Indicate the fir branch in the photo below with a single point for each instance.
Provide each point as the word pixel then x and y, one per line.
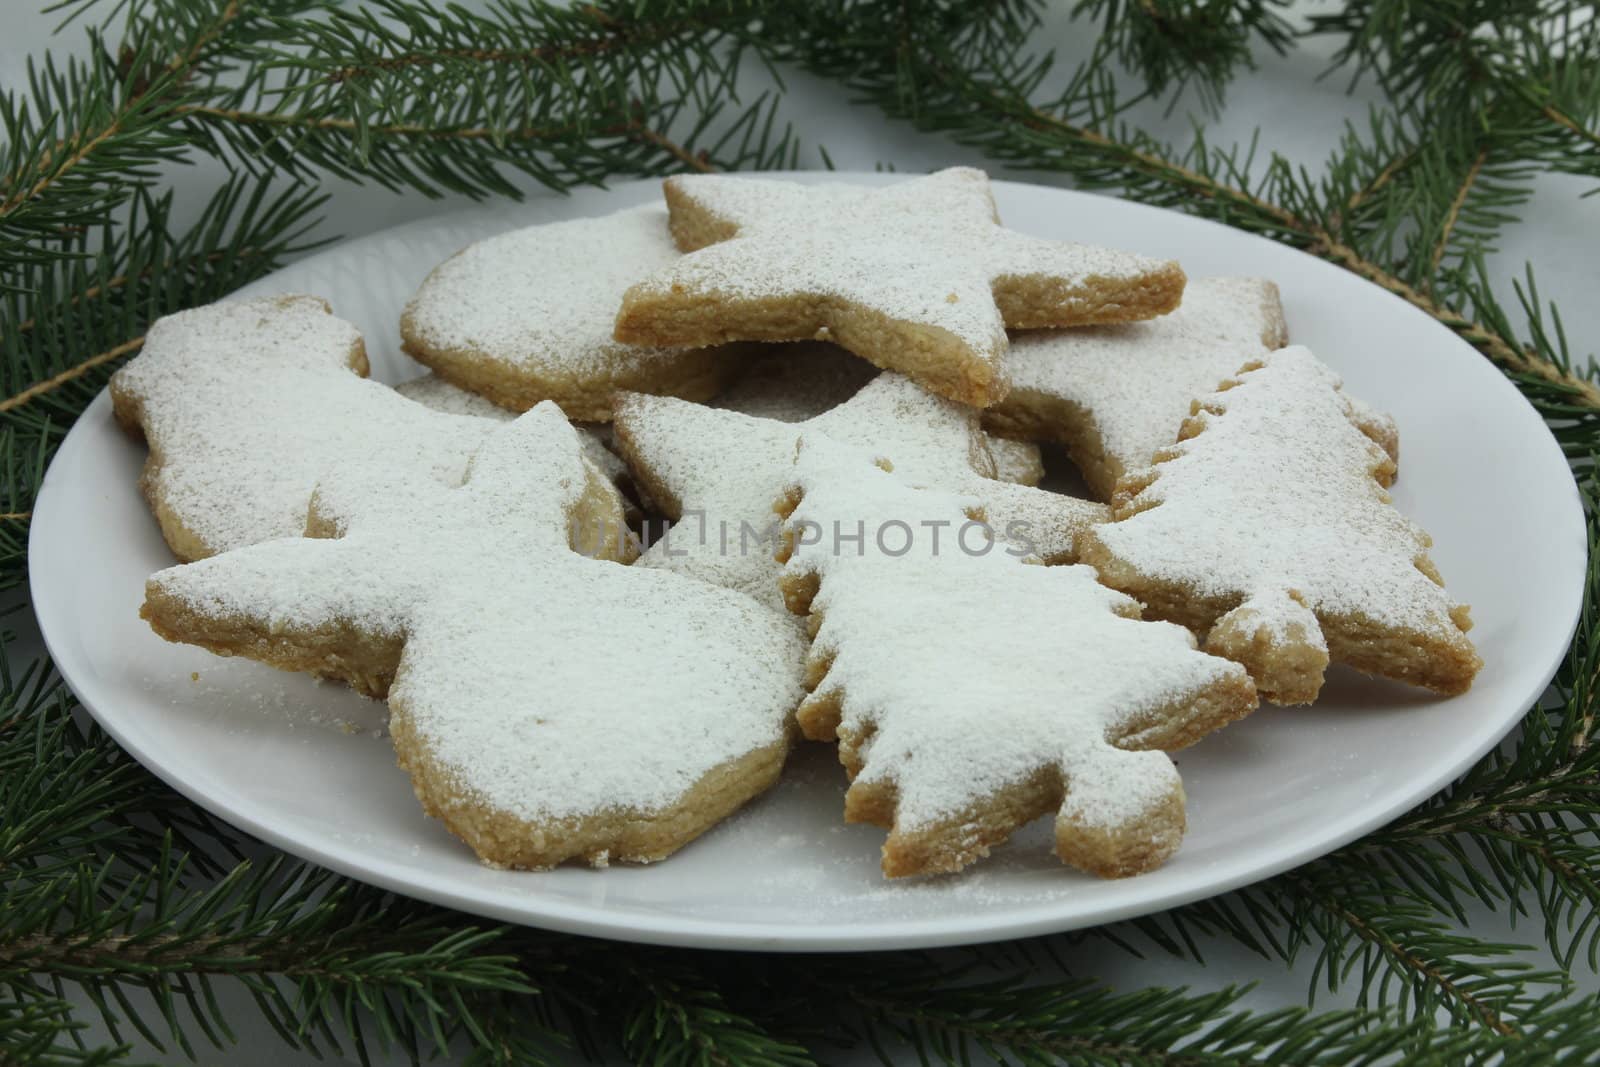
pixel 46 1033
pixel 72 373
pixel 318 955
pixel 675 1019
pixel 951 77
pixel 412 95
pixel 69 795
pixel 74 318
pixel 1079 1022
pixel 1447 229
pixel 559 95
pixel 1465 56
pixel 1173 44
pixel 87 136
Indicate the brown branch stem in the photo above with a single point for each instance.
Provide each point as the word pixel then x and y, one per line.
pixel 121 281
pixel 1030 1036
pixel 1403 956
pixel 291 120
pixel 88 141
pixel 631 129
pixel 1571 125
pixel 1322 242
pixel 1453 215
pixel 619 35
pixel 138 955
pixel 697 161
pixel 1378 183
pixel 77 370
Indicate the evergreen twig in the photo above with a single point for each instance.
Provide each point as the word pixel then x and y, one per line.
pixel 106 887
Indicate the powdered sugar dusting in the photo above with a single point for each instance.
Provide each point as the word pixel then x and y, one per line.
pixel 505 630
pixel 927 250
pixel 248 403
pixel 733 467
pixel 973 672
pixel 1276 494
pixel 1135 382
pixel 434 392
pixel 917 432
pixel 796 382
pixel 543 298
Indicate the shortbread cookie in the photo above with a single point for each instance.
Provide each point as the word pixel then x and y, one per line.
pixel 1113 395
pixel 716 474
pixel 540 700
pixel 527 316
pixel 246 404
pixel 433 391
pixel 1266 530
pixel 917 277
pixel 795 382
pixel 971 692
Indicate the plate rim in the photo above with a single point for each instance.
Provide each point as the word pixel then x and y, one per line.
pixel 970 926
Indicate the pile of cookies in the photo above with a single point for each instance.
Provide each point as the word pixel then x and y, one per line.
pixel 686 484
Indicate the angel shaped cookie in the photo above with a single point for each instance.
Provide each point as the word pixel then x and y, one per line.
pixel 1266 530
pixel 917 277
pixel 717 472
pixel 548 706
pixel 246 404
pixel 971 692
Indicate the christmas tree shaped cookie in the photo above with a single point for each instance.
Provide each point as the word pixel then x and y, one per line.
pixel 971 692
pixel 246 404
pixel 547 706
pixel 717 473
pixel 1267 530
pixel 917 277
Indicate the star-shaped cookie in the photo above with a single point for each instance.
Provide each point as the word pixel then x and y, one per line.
pixel 716 473
pixel 1266 530
pixel 539 699
pixel 918 277
pixel 971 692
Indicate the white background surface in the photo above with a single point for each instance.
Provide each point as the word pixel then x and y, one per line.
pixel 1299 116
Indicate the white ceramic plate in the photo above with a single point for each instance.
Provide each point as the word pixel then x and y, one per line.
pixel 306 765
